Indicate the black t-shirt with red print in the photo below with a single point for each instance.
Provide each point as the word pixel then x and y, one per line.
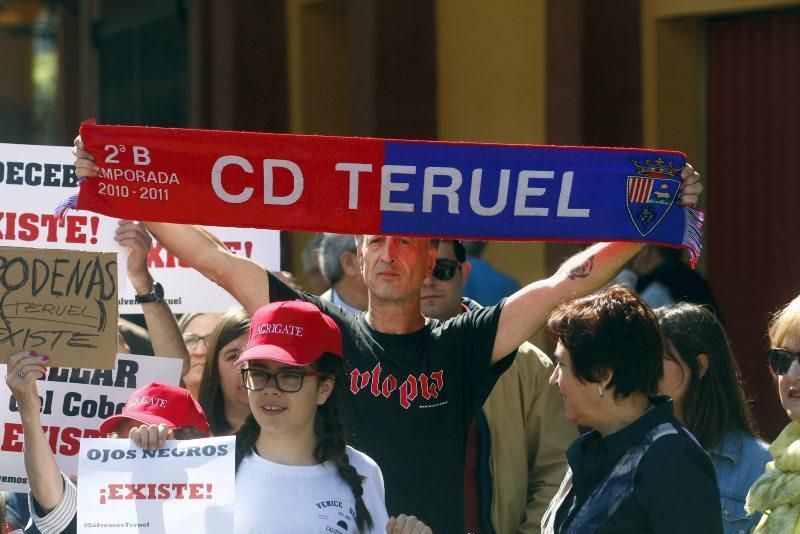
pixel 412 398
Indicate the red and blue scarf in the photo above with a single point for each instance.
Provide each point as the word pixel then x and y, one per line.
pixel 377 186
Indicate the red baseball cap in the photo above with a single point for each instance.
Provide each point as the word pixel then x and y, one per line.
pixel 159 403
pixel 293 332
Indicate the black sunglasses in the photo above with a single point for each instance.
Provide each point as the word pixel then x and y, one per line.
pixel 780 360
pixel 445 269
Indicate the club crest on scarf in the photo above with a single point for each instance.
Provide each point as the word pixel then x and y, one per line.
pixel 652 193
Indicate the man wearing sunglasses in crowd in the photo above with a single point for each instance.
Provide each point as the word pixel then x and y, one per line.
pixel 515 448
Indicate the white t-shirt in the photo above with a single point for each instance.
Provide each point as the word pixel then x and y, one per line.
pixel 284 499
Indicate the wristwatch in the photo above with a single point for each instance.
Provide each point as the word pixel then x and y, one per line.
pixel 156 295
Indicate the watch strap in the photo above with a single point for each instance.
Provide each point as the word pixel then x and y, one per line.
pixel 156 295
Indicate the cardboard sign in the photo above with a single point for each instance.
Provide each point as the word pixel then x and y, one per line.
pixel 74 403
pixel 184 485
pixel 62 303
pixel 35 179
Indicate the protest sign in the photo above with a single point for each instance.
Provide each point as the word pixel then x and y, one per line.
pixel 185 484
pixel 62 303
pixel 34 179
pixel 74 403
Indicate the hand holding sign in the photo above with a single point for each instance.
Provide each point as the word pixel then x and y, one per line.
pixel 134 236
pixel 59 301
pixel 151 437
pixel 23 370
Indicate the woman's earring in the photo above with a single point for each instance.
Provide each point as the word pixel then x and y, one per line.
pixel 600 390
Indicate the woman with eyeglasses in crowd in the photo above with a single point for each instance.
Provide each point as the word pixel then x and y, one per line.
pixel 294 471
pixel 196 329
pixel 702 377
pixel 637 470
pixel 776 493
pixel 222 394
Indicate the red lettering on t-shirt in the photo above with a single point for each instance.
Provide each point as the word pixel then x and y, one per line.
pixel 426 386
pixel 376 381
pixel 388 386
pixel 408 391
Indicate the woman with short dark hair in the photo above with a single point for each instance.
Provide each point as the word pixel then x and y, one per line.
pixel 702 377
pixel 638 469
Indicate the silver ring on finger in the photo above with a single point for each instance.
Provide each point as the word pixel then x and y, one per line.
pixel 21 374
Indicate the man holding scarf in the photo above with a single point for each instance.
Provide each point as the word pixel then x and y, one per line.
pixel 416 384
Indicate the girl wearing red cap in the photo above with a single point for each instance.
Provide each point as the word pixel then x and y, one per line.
pixel 294 471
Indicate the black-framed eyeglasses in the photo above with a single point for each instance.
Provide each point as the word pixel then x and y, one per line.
pixel 445 269
pixel 780 360
pixel 288 381
pixel 192 340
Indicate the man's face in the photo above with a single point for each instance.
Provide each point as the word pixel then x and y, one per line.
pixel 441 299
pixel 395 267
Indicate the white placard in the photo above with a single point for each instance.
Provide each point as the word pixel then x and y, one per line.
pixel 184 486
pixel 74 403
pixel 35 179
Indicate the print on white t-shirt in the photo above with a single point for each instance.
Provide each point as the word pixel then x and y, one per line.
pixel 276 498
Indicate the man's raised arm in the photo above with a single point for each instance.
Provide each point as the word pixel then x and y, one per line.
pixel 526 311
pixel 243 278
pixel 240 276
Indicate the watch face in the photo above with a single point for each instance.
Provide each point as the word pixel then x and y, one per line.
pixel 158 290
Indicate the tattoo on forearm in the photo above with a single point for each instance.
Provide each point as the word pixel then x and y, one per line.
pixel 583 270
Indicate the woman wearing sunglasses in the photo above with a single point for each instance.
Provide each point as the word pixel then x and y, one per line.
pixel 294 472
pixel 702 377
pixel 777 492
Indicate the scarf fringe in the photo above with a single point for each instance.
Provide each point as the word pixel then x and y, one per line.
pixel 68 204
pixel 693 233
pixel 65 206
